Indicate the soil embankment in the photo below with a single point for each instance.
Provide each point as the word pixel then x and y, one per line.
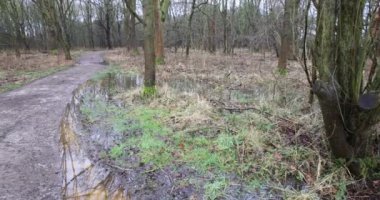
pixel 29 131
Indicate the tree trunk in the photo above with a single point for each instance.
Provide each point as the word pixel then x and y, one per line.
pixel 212 31
pixel 108 10
pixel 130 24
pixel 287 35
pixel 231 39
pixel 90 31
pixel 225 27
pixel 132 32
pixel 51 37
pixel 62 27
pixel 340 54
pixel 347 135
pixel 108 32
pixel 189 31
pixel 159 41
pixel 294 50
pixel 17 49
pixel 127 26
pixel 149 9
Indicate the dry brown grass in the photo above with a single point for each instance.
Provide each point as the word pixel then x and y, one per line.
pixel 31 61
pixel 243 70
pixel 15 72
pixel 283 134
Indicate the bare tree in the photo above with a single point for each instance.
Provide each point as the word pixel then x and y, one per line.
pixel 287 38
pixel 349 107
pixel 149 9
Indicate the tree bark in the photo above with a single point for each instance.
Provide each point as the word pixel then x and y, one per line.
pixel 107 5
pixel 189 27
pixel 287 33
pixel 159 41
pixel 149 7
pixel 339 55
pixel 212 30
pixel 88 17
pixel 62 27
pixel 226 31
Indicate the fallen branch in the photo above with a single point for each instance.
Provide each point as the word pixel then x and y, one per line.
pixel 241 108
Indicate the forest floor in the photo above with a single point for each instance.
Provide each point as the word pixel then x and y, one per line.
pixel 231 120
pixel 16 72
pixel 29 137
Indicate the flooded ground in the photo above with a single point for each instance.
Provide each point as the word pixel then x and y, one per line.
pixel 85 176
pixel 90 174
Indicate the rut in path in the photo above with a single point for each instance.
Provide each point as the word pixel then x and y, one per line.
pixel 29 132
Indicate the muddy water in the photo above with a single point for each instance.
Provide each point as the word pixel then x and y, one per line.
pixel 84 175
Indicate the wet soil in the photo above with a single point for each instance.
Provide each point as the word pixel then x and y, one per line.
pixel 90 174
pixel 29 132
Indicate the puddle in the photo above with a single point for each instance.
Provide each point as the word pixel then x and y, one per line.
pixel 88 176
pixel 85 177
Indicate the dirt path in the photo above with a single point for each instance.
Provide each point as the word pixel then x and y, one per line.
pixel 29 137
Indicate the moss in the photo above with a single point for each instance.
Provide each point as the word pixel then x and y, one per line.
pixel 117 151
pixel 160 60
pixel 149 92
pixel 111 70
pixel 282 71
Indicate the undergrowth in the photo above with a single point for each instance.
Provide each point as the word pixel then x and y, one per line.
pixel 234 123
pixel 176 128
pixel 16 72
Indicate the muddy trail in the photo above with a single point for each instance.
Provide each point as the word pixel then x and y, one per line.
pixel 29 132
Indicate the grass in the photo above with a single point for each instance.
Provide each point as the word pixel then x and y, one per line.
pixel 215 189
pixel 273 140
pixel 24 77
pixel 16 72
pixel 162 129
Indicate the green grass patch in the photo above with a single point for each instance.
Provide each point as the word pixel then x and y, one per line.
pixel 170 132
pixel 149 92
pixel 111 70
pixel 216 189
pixel 160 60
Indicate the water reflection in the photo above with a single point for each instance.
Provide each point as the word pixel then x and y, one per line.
pixel 84 176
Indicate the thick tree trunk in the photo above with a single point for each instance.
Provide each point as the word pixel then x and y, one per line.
pixel 287 33
pixel 51 37
pixel 66 50
pixel 62 27
pixel 332 118
pixel 149 7
pixel 347 133
pixel 159 40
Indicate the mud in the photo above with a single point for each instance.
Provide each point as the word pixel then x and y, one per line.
pixel 29 132
pixel 90 175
